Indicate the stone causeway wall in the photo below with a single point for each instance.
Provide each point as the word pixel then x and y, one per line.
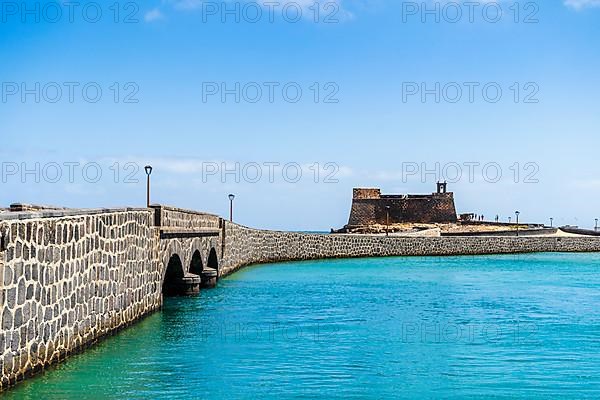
pixel 71 277
pixel 178 218
pixel 69 280
pixel 245 246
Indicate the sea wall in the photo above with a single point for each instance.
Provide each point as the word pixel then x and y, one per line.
pixel 69 278
pixel 244 246
pixel 513 232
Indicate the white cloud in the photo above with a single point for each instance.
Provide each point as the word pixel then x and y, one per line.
pixel 589 184
pixel 153 15
pixel 177 166
pixel 186 4
pixel 581 4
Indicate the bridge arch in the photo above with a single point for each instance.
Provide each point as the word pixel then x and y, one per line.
pixel 196 265
pixel 213 260
pixel 173 277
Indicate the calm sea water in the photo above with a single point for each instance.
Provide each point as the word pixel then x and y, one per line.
pixel 497 326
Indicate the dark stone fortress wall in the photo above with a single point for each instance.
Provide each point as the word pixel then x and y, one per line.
pixel 369 207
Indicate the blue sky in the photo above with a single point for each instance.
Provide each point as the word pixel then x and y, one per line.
pixel 365 127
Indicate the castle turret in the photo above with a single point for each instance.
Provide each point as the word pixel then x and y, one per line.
pixel 442 187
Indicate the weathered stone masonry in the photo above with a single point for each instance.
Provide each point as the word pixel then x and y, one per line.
pixel 246 246
pixel 68 278
pixel 370 207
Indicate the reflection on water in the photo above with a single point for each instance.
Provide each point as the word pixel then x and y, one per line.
pixel 502 326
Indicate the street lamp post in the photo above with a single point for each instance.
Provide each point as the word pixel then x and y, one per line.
pixel 551 222
pixel 596 227
pixel 231 197
pixel 148 169
pixel 517 214
pixel 387 220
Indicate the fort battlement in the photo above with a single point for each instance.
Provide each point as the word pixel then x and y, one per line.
pixel 370 207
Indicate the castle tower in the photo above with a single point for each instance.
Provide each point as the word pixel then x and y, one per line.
pixel 442 187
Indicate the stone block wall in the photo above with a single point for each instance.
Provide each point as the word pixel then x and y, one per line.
pixel 69 279
pixel 172 217
pixel 362 193
pixel 369 207
pixel 244 246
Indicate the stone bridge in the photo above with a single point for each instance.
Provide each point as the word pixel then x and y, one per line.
pixel 70 277
pixel 190 247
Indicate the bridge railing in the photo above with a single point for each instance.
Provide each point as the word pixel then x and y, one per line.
pixel 167 217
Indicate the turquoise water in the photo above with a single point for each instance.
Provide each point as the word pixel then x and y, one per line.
pixel 457 327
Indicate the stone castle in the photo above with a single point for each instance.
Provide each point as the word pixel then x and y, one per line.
pixel 370 207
